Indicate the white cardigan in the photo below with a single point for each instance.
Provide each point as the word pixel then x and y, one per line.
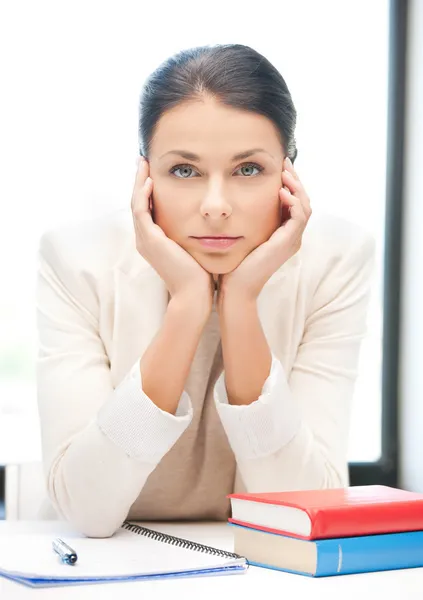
pixel 99 305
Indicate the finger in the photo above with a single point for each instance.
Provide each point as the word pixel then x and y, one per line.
pixel 285 208
pixel 140 180
pixel 143 171
pixel 290 167
pixel 140 158
pixel 286 240
pixel 140 202
pixel 297 188
pixel 294 185
pixel 295 208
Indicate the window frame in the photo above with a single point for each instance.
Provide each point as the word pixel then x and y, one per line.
pixel 385 470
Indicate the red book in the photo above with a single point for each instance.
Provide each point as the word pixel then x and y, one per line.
pixel 330 513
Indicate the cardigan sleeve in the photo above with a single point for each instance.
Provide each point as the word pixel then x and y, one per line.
pixel 99 443
pixel 295 435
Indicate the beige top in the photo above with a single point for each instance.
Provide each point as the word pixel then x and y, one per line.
pixel 110 453
pixel 198 472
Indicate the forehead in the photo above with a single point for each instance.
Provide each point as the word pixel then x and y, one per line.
pixel 205 126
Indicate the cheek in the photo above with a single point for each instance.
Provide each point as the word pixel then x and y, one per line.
pixel 266 217
pixel 170 212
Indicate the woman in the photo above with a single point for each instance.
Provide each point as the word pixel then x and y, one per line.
pixel 206 341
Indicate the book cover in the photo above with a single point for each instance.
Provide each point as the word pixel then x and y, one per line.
pixel 329 557
pixel 330 513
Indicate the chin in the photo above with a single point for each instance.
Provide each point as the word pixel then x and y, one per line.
pixel 219 264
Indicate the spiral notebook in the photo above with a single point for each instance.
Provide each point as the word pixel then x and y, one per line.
pixel 133 553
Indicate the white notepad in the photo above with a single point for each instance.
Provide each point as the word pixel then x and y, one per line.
pixel 132 553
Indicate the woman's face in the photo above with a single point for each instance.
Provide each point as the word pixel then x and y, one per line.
pixel 216 193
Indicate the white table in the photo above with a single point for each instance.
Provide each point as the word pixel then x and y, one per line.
pixel 255 584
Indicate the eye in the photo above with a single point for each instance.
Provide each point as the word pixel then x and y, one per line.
pixel 184 169
pixel 187 169
pixel 251 166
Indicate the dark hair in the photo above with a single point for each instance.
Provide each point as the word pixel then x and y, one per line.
pixel 234 74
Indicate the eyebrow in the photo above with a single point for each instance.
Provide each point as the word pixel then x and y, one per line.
pixel 191 156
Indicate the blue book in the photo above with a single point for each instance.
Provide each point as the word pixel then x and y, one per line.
pixel 335 556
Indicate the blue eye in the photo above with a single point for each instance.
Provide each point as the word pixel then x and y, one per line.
pixel 252 165
pixel 182 167
pixel 187 169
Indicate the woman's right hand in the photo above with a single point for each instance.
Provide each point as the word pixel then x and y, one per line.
pixel 184 277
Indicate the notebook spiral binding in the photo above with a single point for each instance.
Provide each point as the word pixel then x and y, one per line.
pixel 177 541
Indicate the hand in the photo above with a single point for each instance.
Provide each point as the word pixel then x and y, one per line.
pixel 182 274
pixel 258 266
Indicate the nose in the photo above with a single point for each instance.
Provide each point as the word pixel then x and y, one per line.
pixel 215 206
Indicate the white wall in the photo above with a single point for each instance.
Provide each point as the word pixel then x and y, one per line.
pixel 68 122
pixel 411 362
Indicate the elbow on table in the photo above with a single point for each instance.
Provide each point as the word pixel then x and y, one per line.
pixel 92 519
pixel 98 530
pixel 90 523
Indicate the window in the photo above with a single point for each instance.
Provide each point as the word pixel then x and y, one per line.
pixel 69 141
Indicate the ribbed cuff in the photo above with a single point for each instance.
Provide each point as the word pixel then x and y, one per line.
pixel 264 426
pixel 134 423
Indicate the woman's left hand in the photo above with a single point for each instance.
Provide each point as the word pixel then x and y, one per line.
pixel 257 267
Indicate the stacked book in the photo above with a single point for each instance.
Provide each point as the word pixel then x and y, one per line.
pixel 331 531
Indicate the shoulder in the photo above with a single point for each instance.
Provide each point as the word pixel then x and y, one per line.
pixel 337 260
pixel 330 241
pixel 92 246
pixel 78 259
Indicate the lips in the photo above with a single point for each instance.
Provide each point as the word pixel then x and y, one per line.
pixel 218 243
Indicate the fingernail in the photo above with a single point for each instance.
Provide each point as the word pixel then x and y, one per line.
pixel 288 161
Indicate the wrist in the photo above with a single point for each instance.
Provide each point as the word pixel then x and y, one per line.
pixel 232 298
pixel 193 306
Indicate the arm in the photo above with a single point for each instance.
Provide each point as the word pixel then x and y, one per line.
pixel 295 435
pixel 246 354
pixel 99 444
pixel 166 363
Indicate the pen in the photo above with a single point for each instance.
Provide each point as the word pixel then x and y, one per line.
pixel 66 553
